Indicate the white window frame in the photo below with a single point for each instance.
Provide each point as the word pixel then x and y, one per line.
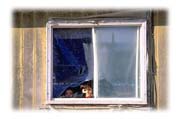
pixel 141 99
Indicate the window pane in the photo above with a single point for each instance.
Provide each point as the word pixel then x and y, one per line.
pixel 116 54
pixel 72 61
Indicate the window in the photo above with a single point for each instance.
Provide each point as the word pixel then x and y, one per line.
pixel 96 62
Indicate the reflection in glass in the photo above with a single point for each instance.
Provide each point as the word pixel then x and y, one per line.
pixel 116 55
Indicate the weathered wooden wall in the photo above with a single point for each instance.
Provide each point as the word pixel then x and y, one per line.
pixel 29 52
pixel 161 56
pixel 29 62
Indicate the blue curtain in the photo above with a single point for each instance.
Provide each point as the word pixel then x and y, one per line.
pixel 70 62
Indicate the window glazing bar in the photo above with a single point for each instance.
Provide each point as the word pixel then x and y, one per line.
pixel 95 79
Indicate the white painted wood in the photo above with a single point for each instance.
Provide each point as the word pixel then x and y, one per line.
pixel 95 64
pixel 97 101
pixel 137 63
pixel 143 60
pixel 48 54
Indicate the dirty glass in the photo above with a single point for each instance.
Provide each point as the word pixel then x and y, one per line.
pixel 116 55
pixel 72 61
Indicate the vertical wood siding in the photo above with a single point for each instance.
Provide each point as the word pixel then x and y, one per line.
pixel 30 68
pixel 161 37
pixel 29 55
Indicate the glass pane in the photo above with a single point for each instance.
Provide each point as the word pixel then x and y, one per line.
pixel 72 62
pixel 116 54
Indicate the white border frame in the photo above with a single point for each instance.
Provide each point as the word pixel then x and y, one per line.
pixel 142 99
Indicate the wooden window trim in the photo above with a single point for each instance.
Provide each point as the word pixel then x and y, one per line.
pixel 142 99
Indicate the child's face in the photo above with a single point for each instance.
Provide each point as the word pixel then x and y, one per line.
pixel 69 94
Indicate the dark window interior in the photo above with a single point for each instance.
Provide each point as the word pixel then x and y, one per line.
pixel 72 61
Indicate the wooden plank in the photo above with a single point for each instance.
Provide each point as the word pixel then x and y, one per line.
pixel 43 63
pixel 38 89
pixel 34 87
pixel 16 67
pixel 28 59
pixel 160 35
pixel 21 64
pixel 28 66
pixel 40 63
pixel 163 93
pixel 161 53
pixel 21 73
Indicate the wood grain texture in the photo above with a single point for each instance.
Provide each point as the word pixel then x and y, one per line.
pixel 16 67
pixel 29 64
pixel 25 63
pixel 28 67
pixel 21 72
pixel 43 66
pixel 161 37
pixel 161 58
pixel 34 87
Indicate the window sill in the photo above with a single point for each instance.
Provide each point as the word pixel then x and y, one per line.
pixel 97 107
pixel 90 101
